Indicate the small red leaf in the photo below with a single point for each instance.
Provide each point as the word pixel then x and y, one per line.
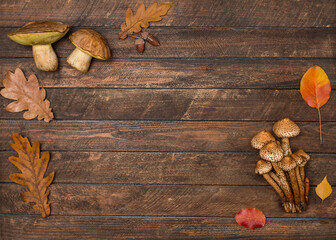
pixel 250 218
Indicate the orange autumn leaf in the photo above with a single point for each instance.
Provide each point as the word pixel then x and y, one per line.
pixel 315 89
pixel 323 190
pixel 33 168
pixel 250 218
pixel 142 18
pixel 28 96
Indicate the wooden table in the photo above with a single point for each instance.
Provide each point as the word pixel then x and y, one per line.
pixel 156 146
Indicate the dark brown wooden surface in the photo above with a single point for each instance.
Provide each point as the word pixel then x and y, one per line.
pixel 179 104
pixel 228 73
pixel 205 43
pixel 156 146
pixel 164 168
pixel 111 227
pixel 205 13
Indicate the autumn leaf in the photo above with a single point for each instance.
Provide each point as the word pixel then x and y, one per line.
pixel 33 168
pixel 315 90
pixel 28 96
pixel 142 18
pixel 323 190
pixel 250 218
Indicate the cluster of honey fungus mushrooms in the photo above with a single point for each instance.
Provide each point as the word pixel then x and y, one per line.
pixel 288 178
pixel 40 35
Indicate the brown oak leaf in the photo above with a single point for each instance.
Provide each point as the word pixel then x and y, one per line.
pixel 33 168
pixel 28 96
pixel 142 18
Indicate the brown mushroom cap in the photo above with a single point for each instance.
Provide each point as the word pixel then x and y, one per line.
pixel 262 138
pixel 286 128
pixel 263 167
pixel 91 42
pixel 298 159
pixel 287 163
pixel 271 152
pixel 39 33
pixel 305 157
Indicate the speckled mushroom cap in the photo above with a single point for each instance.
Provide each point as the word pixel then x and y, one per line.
pixel 286 128
pixel 262 138
pixel 39 33
pixel 287 163
pixel 91 42
pixel 271 152
pixel 263 167
pixel 305 157
pixel 298 159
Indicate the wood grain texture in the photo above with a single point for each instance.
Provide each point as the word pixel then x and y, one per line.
pixel 154 200
pixel 194 13
pixel 205 43
pixel 65 227
pixel 165 168
pixel 182 104
pixel 158 135
pixel 181 73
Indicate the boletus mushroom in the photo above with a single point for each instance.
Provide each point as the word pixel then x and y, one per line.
pixel 273 152
pixel 89 44
pixel 264 168
pixel 284 129
pixel 288 164
pixel 40 35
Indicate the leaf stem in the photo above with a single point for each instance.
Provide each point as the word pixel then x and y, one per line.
pixel 319 113
pixel 134 36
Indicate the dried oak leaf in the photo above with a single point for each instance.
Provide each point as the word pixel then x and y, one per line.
pixel 28 96
pixel 33 168
pixel 142 18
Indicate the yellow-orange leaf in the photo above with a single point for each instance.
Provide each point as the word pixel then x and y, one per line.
pixel 315 89
pixel 28 96
pixel 33 168
pixel 323 190
pixel 142 18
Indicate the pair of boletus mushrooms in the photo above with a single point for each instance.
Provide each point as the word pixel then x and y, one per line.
pixel 279 156
pixel 40 35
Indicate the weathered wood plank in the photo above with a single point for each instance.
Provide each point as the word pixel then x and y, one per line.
pixel 165 168
pixel 70 227
pixel 182 104
pixel 203 13
pixel 205 43
pixel 166 73
pixel 78 199
pixel 158 135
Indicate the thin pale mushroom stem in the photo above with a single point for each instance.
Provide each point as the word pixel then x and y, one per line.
pixel 285 185
pixel 279 185
pixel 301 187
pixel 302 173
pixel 286 146
pixel 295 187
pixel 307 190
pixel 277 189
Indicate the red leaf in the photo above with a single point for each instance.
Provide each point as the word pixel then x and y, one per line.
pixel 250 218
